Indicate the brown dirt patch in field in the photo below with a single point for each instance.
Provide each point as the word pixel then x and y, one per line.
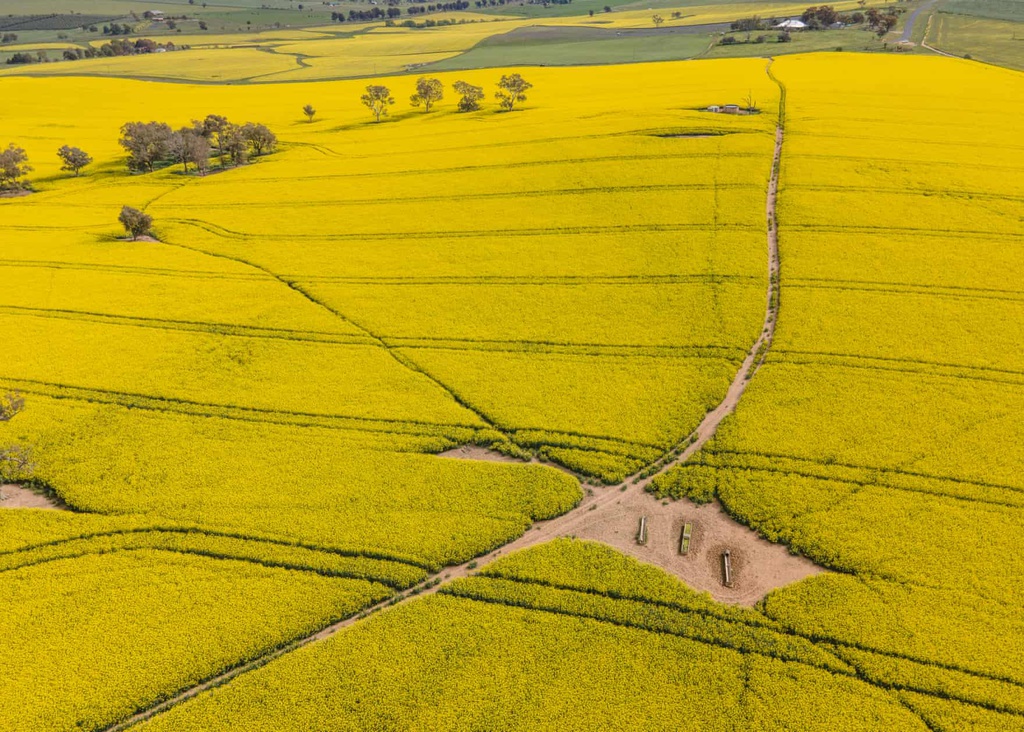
pixel 474 452
pixel 14 496
pixel 758 566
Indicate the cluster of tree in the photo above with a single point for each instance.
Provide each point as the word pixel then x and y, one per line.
pixel 882 23
pixel 823 16
pixel 820 16
pixel 8 38
pixel 117 29
pixel 512 90
pixel 755 23
pixel 429 23
pixel 120 47
pixel 39 57
pixel 153 144
pixel 393 12
pixel 494 3
pixel 13 168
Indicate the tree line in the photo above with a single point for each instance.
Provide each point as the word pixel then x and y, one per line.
pixel 512 90
pixel 117 47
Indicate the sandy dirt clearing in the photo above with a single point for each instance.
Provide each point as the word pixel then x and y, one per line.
pixel 14 496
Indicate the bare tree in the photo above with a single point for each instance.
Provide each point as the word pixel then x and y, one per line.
pixel 377 99
pixel 74 159
pixel 147 144
pixel 751 103
pixel 259 137
pixel 13 168
pixel 11 404
pixel 15 464
pixel 234 145
pixel 471 96
pixel 309 111
pixel 512 89
pixel 212 128
pixel 657 20
pixel 135 222
pixel 189 147
pixel 428 91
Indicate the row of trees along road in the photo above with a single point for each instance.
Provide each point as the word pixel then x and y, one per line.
pixel 512 90
pixel 151 144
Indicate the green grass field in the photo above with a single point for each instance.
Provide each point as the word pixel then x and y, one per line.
pixel 993 41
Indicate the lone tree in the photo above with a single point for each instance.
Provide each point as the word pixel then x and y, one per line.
pixel 309 112
pixel 259 138
pixel 377 99
pixel 135 222
pixel 13 168
pixel 74 159
pixel 470 96
pixel 512 89
pixel 657 20
pixel 428 91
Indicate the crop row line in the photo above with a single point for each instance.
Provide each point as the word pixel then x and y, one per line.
pixel 898 359
pixel 737 648
pixel 226 233
pixel 570 350
pixel 762 622
pixel 556 141
pixel 534 280
pixel 207 532
pixel 921 292
pixel 179 405
pixel 880 485
pixel 907 191
pixel 503 166
pixel 504 194
pixel 192 326
pixel 824 360
pixel 985 146
pixel 271 564
pixel 933 231
pixel 896 286
pixel 717 452
pixel 127 270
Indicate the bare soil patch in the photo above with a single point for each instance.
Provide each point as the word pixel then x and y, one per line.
pixel 758 566
pixel 15 496
pixel 475 452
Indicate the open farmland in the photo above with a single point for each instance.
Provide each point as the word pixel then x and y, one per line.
pixel 608 413
pixel 267 382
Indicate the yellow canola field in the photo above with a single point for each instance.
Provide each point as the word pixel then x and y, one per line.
pixel 243 379
pixel 883 436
